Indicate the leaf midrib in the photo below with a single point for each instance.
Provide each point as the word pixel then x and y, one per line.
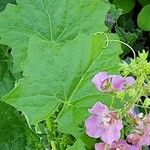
pixel 75 89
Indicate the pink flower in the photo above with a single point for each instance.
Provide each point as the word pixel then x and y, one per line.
pixel 145 140
pixel 138 140
pixel 101 80
pixel 119 83
pixel 106 83
pixel 134 138
pixel 103 123
pixel 141 134
pixel 119 145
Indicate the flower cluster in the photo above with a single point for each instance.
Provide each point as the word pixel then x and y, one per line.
pixel 106 124
pixel 103 123
pixel 106 83
pixel 141 132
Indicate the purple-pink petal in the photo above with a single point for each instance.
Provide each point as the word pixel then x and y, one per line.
pixel 120 144
pixel 99 109
pixel 130 80
pixel 112 133
pixel 100 146
pixel 118 82
pixel 135 147
pixel 134 138
pixel 92 129
pixel 145 140
pixel 99 78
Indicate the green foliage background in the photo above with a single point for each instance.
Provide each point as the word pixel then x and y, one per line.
pixel 49 52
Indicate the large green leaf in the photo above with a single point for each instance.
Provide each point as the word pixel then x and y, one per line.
pixel 62 74
pixel 143 18
pixel 14 132
pixel 59 20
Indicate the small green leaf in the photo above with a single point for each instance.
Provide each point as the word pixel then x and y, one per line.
pixel 125 5
pixel 143 18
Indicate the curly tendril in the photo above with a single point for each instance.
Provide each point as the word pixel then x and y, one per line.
pixel 108 40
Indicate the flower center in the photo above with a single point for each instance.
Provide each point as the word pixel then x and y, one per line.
pixel 106 120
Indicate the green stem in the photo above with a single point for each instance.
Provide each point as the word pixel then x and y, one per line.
pixel 130 105
pixel 49 126
pixel 126 45
pixel 108 40
pixel 112 102
pixel 53 145
pixel 145 109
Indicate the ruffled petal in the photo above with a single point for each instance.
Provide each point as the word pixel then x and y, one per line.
pixel 112 133
pixel 145 140
pixel 130 80
pixel 100 146
pixel 92 128
pixel 135 147
pixel 99 78
pixel 120 143
pixel 134 138
pixel 118 82
pixel 99 109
